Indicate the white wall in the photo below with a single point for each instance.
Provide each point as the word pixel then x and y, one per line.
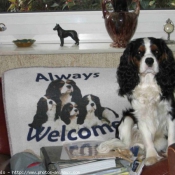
pixel 89 25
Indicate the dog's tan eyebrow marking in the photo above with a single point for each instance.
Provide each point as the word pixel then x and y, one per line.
pixel 141 48
pixel 68 81
pixel 62 82
pixel 154 47
pixel 92 98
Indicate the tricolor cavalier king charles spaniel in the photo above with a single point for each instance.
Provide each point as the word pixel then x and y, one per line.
pixel 92 113
pixel 69 116
pixel 48 106
pixel 70 92
pixel 146 76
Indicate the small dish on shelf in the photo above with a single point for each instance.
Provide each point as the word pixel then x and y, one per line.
pixel 24 42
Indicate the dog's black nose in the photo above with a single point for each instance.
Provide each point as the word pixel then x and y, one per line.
pixel 92 104
pixel 149 61
pixel 76 110
pixel 51 102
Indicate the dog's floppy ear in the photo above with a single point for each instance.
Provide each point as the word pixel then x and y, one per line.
pixel 58 111
pixel 166 75
pixel 100 109
pixel 76 94
pixel 127 72
pixel 40 116
pixel 82 114
pixel 82 110
pixel 65 114
pixel 53 91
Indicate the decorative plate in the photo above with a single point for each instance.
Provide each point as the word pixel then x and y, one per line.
pixel 24 42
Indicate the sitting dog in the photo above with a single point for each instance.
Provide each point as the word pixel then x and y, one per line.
pixel 48 106
pixel 69 116
pixel 92 113
pixel 65 33
pixel 146 76
pixel 70 92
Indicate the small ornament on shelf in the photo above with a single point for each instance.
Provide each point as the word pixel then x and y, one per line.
pixel 169 28
pixel 2 27
pixel 66 33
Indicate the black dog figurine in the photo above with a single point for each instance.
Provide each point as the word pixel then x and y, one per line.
pixel 65 33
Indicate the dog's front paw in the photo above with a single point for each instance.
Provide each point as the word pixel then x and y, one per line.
pixel 152 160
pixel 165 154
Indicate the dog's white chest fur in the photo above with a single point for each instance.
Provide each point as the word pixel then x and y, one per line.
pixel 148 106
pixel 73 124
pixel 91 120
pixel 147 93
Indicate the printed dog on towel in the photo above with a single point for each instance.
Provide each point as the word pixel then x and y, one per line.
pixel 146 76
pixel 66 33
pixel 70 92
pixel 92 113
pixel 49 106
pixel 69 116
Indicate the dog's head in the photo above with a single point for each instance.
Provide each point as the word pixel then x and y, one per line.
pixel 143 56
pixel 73 90
pixel 90 104
pixel 69 112
pixel 68 87
pixel 56 27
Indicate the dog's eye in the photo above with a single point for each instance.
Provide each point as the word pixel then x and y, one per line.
pixel 139 53
pixel 156 52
